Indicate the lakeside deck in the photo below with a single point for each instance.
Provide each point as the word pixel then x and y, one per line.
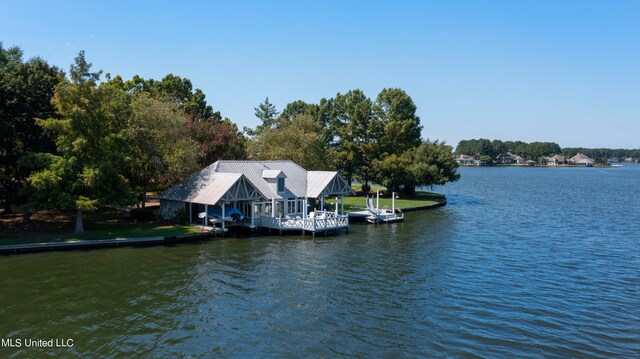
pixel 318 222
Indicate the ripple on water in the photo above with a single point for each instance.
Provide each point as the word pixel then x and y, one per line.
pixel 520 263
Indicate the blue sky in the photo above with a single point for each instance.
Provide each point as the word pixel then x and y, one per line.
pixel 564 71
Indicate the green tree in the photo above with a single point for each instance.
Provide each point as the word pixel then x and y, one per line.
pixel 300 107
pixel 358 132
pixel 217 137
pixel 431 163
pixel 479 147
pixel 159 153
pixel 296 138
pixel 322 113
pixel 402 130
pixel 26 89
pixel 88 170
pixel 192 102
pixel 268 114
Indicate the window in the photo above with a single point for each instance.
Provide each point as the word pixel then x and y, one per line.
pixel 280 185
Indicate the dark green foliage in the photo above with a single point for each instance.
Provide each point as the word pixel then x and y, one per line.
pixel 180 216
pixel 268 115
pixel 536 150
pixel 485 147
pixel 401 126
pixel 26 89
pixel 88 170
pixel 158 151
pixel 358 134
pixel 429 164
pixel 296 138
pixel 191 101
pixel 603 152
pixel 144 214
pixel 373 142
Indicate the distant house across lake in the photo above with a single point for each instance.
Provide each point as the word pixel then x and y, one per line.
pixel 555 160
pixel 581 160
pixel 508 158
pixel 465 160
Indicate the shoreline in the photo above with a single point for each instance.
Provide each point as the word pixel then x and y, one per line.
pixel 10 249
pixel 103 243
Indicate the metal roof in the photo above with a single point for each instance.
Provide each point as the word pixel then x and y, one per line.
pixel 210 185
pixel 206 187
pixel 271 173
pixel 295 184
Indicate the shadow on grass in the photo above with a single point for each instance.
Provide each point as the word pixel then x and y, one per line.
pixel 58 226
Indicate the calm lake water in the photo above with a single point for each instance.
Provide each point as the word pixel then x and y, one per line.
pixel 522 262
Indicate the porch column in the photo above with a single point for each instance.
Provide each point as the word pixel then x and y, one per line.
pixel 252 210
pixel 273 207
pixel 342 204
pixel 222 205
pixel 285 209
pixel 305 209
pixel 336 208
pixel 206 212
pixel 322 203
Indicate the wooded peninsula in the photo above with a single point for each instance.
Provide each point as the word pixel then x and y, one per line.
pixel 85 142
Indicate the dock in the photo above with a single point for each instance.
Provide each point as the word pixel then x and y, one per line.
pixel 102 243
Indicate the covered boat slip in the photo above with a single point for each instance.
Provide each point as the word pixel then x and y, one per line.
pixel 276 195
pixel 270 215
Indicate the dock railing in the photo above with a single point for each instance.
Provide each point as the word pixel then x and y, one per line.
pixel 320 220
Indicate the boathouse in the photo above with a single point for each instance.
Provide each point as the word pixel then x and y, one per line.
pixel 277 195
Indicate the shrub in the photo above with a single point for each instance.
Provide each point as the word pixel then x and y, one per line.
pixel 144 214
pixel 366 188
pixel 180 216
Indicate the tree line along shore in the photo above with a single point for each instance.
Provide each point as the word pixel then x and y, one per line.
pixel 88 143
pixel 484 152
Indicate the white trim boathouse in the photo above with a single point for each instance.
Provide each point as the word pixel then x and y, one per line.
pixel 278 195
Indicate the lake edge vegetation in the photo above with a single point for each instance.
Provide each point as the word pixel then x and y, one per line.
pixel 80 142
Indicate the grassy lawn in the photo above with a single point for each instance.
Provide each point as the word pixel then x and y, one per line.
pixel 422 198
pixel 59 226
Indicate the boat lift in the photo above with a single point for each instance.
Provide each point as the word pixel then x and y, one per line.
pixel 377 215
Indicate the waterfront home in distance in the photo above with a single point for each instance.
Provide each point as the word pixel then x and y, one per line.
pixel 505 158
pixel 581 160
pixel 555 160
pixel 508 158
pixel 278 195
pixel 465 160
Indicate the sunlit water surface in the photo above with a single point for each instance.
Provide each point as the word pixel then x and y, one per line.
pixel 521 262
